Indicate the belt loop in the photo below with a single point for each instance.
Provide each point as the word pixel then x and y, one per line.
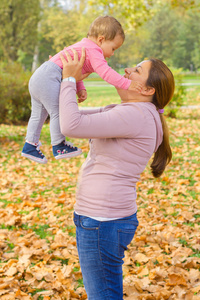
pixel 77 219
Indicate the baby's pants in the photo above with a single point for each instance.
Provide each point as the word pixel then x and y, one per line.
pixel 44 88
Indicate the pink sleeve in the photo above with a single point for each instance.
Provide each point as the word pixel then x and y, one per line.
pixel 101 67
pixel 80 86
pixel 119 121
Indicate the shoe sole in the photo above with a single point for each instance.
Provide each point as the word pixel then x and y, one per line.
pixel 38 160
pixel 69 155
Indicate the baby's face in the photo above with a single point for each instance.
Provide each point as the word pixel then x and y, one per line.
pixel 109 47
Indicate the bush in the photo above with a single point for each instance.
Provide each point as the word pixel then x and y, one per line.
pixel 179 94
pixel 15 104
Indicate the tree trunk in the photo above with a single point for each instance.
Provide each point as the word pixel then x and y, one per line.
pixel 35 59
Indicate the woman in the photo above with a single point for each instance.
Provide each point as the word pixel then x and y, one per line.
pixel 123 138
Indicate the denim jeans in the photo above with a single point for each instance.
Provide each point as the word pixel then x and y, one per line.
pixel 101 247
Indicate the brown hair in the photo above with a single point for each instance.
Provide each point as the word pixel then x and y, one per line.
pixel 162 79
pixel 106 26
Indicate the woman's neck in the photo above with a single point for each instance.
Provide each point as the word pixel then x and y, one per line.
pixel 135 100
pixel 129 96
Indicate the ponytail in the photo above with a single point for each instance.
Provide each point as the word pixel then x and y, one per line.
pixel 162 79
pixel 163 155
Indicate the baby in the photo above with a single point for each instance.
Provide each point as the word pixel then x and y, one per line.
pixel 104 37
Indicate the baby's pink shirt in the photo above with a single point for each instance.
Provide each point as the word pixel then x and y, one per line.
pixel 123 138
pixel 94 62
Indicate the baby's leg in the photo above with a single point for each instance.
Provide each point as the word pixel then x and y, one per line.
pixel 36 121
pixel 52 106
pixel 31 148
pixel 46 86
pixel 61 148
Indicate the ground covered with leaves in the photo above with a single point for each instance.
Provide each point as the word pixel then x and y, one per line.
pixel 38 255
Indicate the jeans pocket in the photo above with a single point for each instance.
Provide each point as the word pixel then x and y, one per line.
pixel 89 223
pixel 125 236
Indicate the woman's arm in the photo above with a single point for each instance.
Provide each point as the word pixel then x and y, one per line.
pixel 120 121
pixel 123 121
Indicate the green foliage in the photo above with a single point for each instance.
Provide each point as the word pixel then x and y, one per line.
pixel 131 13
pixel 166 35
pixel 61 26
pixel 56 28
pixel 14 95
pixel 163 34
pixel 18 19
pixel 179 94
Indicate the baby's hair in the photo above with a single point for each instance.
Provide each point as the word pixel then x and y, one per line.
pixel 106 26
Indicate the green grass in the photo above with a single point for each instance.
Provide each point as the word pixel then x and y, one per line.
pixel 99 96
pixel 191 78
pixel 101 93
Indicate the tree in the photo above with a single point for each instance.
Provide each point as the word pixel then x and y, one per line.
pixel 62 26
pixel 163 30
pixel 132 13
pixel 18 33
pixel 192 39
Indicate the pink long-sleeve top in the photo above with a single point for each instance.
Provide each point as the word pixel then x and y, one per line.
pixel 94 62
pixel 122 137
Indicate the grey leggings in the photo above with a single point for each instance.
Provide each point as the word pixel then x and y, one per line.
pixel 44 88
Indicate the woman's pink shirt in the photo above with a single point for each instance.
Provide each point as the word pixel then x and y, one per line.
pixel 123 138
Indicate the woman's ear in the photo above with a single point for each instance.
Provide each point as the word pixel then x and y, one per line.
pixel 148 91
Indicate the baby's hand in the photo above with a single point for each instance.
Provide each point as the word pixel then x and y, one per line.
pixel 135 86
pixel 82 95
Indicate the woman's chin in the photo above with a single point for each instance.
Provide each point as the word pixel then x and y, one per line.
pixel 126 95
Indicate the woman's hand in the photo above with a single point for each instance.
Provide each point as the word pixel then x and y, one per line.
pixel 73 67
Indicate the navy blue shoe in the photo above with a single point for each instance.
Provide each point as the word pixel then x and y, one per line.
pixel 65 150
pixel 33 152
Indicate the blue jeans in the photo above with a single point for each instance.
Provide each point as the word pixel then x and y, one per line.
pixel 101 247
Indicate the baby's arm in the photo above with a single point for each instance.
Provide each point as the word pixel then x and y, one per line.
pixel 82 95
pixel 80 86
pixel 100 66
pixel 81 91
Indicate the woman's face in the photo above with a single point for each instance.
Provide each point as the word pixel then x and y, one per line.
pixel 140 73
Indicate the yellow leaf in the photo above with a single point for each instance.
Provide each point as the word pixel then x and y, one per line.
pixel 176 279
pixel 141 258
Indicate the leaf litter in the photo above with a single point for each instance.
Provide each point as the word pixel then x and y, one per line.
pixel 38 254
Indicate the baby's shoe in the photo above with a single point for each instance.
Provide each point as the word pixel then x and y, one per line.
pixel 65 150
pixel 32 151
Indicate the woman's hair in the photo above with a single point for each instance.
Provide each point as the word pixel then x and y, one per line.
pixel 162 80
pixel 106 26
